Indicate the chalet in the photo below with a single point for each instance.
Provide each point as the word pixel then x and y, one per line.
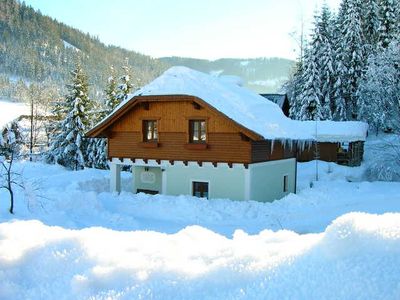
pixel 190 133
pixel 281 100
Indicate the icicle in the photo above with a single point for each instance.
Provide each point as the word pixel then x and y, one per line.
pixel 272 146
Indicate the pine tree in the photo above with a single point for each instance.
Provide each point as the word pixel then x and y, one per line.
pixel 294 87
pixel 68 145
pixel 311 91
pixel 387 22
pixel 380 89
pixel 324 30
pixel 370 24
pixel 352 51
pixel 125 86
pixel 111 92
pixel 96 155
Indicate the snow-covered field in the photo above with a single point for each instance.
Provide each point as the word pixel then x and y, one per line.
pixel 72 239
pixel 9 111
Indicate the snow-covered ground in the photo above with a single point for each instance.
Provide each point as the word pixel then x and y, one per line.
pixel 338 238
pixel 10 111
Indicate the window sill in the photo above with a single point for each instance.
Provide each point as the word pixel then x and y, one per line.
pixel 150 144
pixel 196 146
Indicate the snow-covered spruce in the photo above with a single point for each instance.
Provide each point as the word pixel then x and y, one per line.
pixel 68 144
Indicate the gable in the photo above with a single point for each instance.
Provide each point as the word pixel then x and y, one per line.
pixel 172 111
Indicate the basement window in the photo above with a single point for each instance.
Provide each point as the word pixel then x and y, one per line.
pixel 150 131
pixel 197 131
pixel 200 189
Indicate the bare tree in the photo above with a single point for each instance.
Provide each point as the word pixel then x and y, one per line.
pixel 9 178
pixel 9 148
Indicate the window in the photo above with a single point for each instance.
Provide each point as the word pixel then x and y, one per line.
pixel 200 189
pixel 285 183
pixel 197 131
pixel 150 132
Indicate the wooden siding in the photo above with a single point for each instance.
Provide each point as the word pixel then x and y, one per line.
pixel 224 141
pixel 172 147
pixel 261 151
pixel 327 152
pixel 330 152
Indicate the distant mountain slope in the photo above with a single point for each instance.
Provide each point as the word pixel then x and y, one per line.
pixel 34 47
pixel 37 47
pixel 260 74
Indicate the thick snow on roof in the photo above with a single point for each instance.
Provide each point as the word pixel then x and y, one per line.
pixel 247 108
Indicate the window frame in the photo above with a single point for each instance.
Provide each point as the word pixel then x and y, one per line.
pixel 205 182
pixel 286 183
pixel 153 131
pixel 198 130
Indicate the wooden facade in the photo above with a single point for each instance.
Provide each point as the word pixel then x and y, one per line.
pixel 226 140
pixel 349 154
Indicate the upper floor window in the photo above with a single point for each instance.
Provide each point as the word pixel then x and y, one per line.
pixel 197 131
pixel 150 132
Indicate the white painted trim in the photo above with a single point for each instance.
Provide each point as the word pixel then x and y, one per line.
pixel 139 162
pixel 115 178
pixel 163 181
pixel 200 180
pixel 134 189
pixel 247 184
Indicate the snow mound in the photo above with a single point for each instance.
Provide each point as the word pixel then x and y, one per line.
pixel 357 257
pixel 246 107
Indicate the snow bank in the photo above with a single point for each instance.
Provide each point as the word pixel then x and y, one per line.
pixel 10 111
pixel 357 257
pixel 82 199
pixel 247 108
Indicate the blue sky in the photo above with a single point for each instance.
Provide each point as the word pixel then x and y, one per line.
pixel 202 28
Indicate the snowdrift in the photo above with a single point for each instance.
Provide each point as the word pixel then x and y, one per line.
pixel 357 257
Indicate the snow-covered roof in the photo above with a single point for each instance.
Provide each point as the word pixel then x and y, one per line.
pixel 246 108
pixel 276 98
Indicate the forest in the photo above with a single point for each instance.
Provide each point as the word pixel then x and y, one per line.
pixel 350 68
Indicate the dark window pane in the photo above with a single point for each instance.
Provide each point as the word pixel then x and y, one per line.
pixel 200 189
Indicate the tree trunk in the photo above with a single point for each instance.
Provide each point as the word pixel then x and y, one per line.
pixel 11 210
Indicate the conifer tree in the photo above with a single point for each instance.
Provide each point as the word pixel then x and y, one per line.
pixel 96 156
pixel 380 89
pixel 68 145
pixel 311 91
pixel 388 26
pixel 125 86
pixel 294 87
pixel 324 29
pixel 370 24
pixel 352 49
pixel 111 92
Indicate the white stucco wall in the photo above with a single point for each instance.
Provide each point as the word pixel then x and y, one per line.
pixel 261 181
pixel 266 179
pixel 147 180
pixel 224 182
